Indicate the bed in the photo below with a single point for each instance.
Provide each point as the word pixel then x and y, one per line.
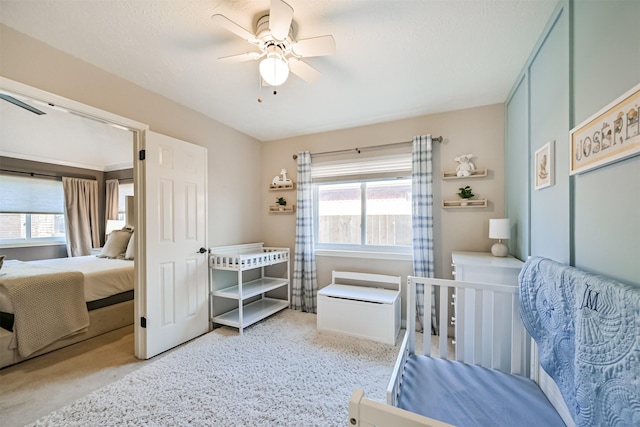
pixel 572 358
pixel 94 295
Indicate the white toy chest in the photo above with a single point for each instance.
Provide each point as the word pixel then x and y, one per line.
pixel 364 311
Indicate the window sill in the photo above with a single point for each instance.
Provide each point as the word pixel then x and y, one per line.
pixel 396 256
pixel 30 244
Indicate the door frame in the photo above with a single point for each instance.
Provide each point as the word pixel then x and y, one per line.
pixel 138 130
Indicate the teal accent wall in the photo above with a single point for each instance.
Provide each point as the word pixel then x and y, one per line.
pixel 549 121
pixel 588 55
pixel 517 169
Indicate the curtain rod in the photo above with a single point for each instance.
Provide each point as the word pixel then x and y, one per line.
pixel 31 173
pixel 373 147
pixel 48 175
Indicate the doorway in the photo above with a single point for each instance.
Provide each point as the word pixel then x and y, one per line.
pixel 102 123
pixel 185 186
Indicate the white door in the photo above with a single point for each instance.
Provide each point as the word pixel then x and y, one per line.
pixel 173 306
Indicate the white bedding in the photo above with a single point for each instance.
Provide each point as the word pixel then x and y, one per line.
pixel 103 277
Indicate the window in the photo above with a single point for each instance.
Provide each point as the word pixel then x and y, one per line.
pixel 124 190
pixel 363 206
pixel 31 211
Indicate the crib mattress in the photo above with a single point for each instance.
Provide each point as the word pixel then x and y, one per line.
pixel 103 277
pixel 466 395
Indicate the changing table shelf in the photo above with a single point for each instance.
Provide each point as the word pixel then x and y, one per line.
pixel 251 313
pixel 252 288
pixel 238 301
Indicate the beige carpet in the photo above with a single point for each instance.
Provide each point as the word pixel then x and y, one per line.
pixel 36 387
pixel 281 371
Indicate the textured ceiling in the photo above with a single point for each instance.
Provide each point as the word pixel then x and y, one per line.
pixel 395 59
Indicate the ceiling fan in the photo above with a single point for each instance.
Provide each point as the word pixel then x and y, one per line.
pixel 277 47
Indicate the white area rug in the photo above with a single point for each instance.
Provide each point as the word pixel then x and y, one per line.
pixel 281 372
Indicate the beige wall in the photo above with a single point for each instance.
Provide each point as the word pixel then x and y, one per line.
pixel 479 131
pixel 234 158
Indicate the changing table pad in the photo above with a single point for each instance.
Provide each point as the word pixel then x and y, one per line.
pixel 472 396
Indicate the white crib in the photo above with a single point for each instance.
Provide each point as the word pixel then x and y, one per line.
pixel 488 333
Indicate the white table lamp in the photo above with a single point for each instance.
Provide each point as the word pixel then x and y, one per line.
pixel 499 229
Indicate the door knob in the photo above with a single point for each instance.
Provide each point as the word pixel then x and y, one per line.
pixel 202 251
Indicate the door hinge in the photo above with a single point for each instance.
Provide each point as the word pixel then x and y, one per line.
pixel 143 322
pixel 142 154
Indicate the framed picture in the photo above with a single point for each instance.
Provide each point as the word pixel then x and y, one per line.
pixel 544 166
pixel 611 134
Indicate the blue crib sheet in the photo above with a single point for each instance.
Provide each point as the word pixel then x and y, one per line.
pixel 466 395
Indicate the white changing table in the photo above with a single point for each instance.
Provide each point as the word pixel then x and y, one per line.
pixel 365 309
pixel 230 292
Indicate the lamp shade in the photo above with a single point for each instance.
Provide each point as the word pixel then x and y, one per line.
pixel 274 69
pixel 499 228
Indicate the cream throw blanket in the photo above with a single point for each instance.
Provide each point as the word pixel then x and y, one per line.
pixel 48 304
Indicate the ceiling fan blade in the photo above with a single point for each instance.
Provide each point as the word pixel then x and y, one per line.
pixel 280 17
pixel 236 29
pixel 233 59
pixel 19 103
pixel 315 46
pixel 303 70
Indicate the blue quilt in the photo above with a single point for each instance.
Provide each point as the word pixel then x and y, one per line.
pixel 587 328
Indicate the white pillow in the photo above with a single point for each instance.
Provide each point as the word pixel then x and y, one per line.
pixel 131 248
pixel 116 244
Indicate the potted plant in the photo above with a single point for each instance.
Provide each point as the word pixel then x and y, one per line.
pixel 465 193
pixel 281 203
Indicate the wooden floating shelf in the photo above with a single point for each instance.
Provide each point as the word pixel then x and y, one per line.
pixel 282 210
pixel 473 203
pixel 279 187
pixel 477 173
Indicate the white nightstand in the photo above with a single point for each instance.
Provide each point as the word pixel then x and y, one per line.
pixel 482 267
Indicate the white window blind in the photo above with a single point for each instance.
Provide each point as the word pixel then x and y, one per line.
pixel 370 167
pixel 363 205
pixel 30 195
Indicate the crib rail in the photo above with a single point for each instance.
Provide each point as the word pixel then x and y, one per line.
pixel 398 369
pixel 486 319
pixel 365 412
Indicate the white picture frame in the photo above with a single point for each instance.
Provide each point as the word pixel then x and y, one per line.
pixel 544 166
pixel 611 134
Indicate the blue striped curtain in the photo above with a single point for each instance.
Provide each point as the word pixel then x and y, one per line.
pixel 422 221
pixel 305 279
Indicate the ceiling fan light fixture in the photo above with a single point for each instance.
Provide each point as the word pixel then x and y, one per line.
pixel 274 69
pixel 279 51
